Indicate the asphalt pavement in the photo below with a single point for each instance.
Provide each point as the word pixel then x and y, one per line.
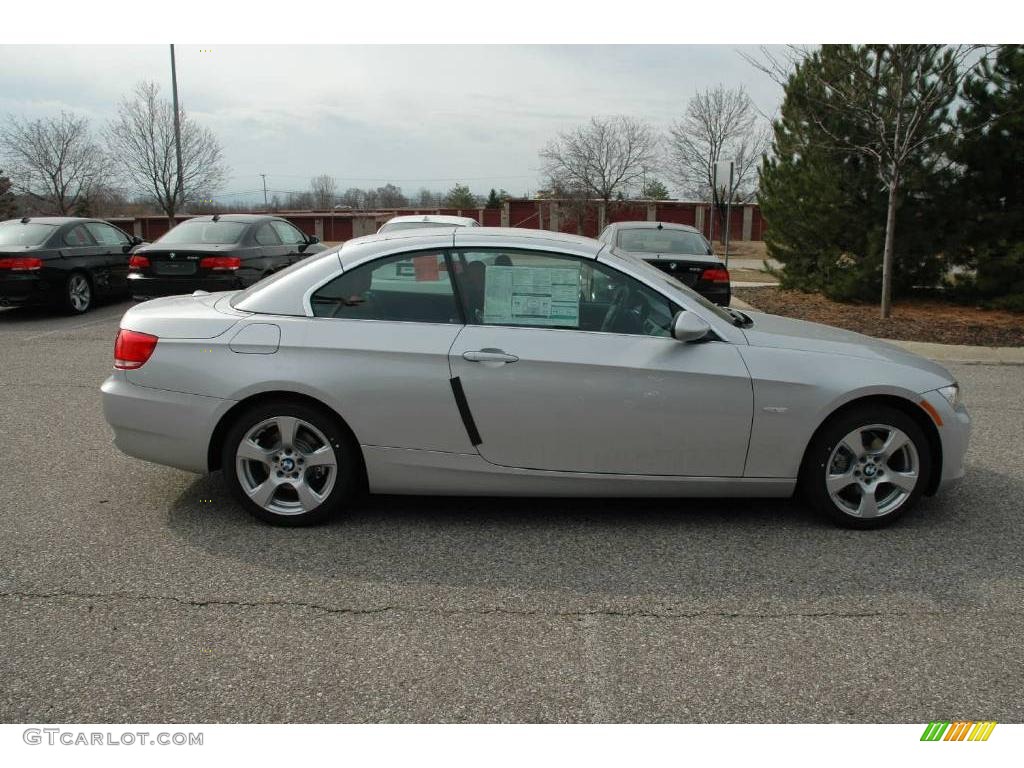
pixel 133 592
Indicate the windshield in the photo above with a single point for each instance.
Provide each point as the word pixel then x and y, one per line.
pixel 653 240
pixel 16 233
pixel 204 233
pixel 397 225
pixel 657 276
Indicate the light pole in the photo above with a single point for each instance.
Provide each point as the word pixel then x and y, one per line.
pixel 265 206
pixel 179 193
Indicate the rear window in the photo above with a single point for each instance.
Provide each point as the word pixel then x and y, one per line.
pixel 652 240
pixel 33 233
pixel 204 233
pixel 396 226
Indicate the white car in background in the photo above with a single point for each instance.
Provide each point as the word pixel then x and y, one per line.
pixel 425 221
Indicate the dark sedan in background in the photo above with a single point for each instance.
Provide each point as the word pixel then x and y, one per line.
pixel 677 249
pixel 217 253
pixel 63 261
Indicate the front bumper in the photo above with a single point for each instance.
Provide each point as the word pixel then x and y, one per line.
pixel 150 287
pixel 170 428
pixel 955 435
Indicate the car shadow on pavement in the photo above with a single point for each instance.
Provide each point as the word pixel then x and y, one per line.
pixel 716 548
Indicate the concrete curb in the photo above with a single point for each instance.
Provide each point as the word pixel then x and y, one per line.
pixel 963 353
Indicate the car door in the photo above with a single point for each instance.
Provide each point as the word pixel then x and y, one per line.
pixel 293 240
pixel 567 364
pixel 380 337
pixel 115 246
pixel 81 251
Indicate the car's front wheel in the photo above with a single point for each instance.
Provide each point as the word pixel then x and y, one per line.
pixel 866 467
pixel 290 463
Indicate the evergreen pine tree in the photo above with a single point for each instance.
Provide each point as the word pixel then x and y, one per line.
pixel 992 183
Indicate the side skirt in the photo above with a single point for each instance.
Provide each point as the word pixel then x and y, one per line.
pixel 405 471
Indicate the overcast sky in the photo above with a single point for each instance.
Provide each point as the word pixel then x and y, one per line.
pixel 412 115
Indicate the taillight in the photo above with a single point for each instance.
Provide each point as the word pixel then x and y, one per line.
pixel 132 349
pixel 21 264
pixel 138 262
pixel 220 262
pixel 715 275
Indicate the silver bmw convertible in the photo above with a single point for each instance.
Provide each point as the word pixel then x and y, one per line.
pixel 486 361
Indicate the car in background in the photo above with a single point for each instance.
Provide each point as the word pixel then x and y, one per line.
pixel 64 261
pixel 513 376
pixel 217 253
pixel 397 223
pixel 677 249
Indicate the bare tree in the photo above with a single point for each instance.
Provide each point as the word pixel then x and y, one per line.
pixel 390 196
pixel 891 101
pixel 325 191
pixel 602 158
pixel 427 199
pixel 141 140
pixel 721 124
pixel 54 161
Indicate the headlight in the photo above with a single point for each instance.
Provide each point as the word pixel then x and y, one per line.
pixel 952 394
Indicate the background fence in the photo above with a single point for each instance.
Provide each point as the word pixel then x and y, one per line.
pixel 587 218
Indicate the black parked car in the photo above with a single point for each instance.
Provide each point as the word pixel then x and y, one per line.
pixel 677 249
pixel 65 261
pixel 217 253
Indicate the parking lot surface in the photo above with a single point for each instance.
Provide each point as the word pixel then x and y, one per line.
pixel 133 592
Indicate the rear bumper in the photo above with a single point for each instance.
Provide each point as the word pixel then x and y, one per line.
pixel 151 287
pixel 19 289
pixel 719 293
pixel 170 428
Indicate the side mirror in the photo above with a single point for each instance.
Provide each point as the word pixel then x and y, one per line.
pixel 312 239
pixel 687 326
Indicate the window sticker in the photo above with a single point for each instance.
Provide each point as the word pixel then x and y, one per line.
pixel 522 295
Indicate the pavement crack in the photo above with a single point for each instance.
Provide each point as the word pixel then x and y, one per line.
pixel 581 613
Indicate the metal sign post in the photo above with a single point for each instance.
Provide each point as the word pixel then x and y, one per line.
pixel 723 169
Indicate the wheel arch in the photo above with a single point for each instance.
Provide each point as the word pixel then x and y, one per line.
pixel 911 409
pixel 215 448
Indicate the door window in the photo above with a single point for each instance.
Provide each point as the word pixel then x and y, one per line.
pixel 78 237
pixel 106 234
pixel 289 235
pixel 265 235
pixel 408 287
pixel 548 290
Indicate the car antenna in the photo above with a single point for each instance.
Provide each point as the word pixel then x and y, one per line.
pixel 216 217
pixel 25 220
pixel 660 226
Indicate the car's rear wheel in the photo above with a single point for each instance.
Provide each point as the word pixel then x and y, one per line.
pixel 866 467
pixel 77 293
pixel 290 463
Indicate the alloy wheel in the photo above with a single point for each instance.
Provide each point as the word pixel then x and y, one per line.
pixel 79 292
pixel 872 471
pixel 286 465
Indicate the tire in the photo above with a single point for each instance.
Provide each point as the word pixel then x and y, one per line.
pixel 305 454
pixel 866 467
pixel 77 298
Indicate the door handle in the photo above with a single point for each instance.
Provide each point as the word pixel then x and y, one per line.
pixel 489 355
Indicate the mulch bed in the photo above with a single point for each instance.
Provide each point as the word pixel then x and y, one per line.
pixel 912 319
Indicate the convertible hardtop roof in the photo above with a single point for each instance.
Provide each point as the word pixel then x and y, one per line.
pixel 283 293
pixel 363 248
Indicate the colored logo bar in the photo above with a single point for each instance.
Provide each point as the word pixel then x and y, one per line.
pixel 959 730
